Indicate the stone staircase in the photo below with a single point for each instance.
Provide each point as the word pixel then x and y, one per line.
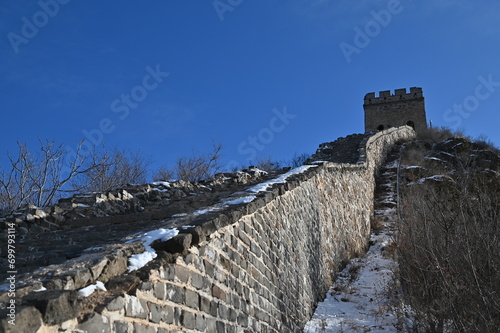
pixel 342 150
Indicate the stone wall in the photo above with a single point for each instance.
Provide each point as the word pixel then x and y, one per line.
pixel 260 266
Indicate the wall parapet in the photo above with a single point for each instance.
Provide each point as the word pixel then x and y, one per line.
pixel 387 96
pixel 261 265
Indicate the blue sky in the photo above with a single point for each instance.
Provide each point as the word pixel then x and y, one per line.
pixel 262 78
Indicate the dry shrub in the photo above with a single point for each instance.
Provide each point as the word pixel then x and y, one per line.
pixel 437 134
pixel 448 253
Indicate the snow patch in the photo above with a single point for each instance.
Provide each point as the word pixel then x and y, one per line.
pixel 42 288
pixel 241 200
pixel 254 190
pixel 139 260
pixel 89 290
pixel 166 184
pixel 279 180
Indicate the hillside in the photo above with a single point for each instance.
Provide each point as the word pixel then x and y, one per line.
pixel 448 240
pixel 433 264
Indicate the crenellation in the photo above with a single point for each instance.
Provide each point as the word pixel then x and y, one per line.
pixel 385 93
pixel 386 96
pixel 400 92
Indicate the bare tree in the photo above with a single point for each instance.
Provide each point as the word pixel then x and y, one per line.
pixel 200 166
pixel 38 179
pixel 267 164
pixel 117 168
pixel 299 159
pixel 163 174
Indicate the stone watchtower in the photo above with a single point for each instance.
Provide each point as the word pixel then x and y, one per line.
pixel 396 110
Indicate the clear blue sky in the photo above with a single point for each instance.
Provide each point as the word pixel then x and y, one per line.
pixel 289 74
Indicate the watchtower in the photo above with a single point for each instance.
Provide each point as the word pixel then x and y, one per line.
pixel 394 110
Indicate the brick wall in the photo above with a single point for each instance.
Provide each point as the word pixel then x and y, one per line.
pixel 260 267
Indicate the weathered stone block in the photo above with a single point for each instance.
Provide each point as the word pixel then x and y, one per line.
pixel 223 311
pixel 135 307
pixel 217 292
pixel 160 290
pixel 192 299
pixel 140 328
pixel 27 319
pixel 196 280
pixel 255 249
pixel 56 306
pixel 220 327
pixel 175 293
pixel 177 244
pixel 211 324
pixel 95 323
pixel 122 327
pixel 200 323
pixel 117 304
pixel 181 274
pixel 204 304
pixel 188 319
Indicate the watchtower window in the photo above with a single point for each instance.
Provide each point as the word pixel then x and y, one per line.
pixel 380 128
pixel 411 124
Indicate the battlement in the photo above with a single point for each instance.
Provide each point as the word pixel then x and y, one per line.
pixel 385 96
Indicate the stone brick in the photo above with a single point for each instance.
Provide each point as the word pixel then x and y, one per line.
pixel 201 324
pixel 211 324
pixel 155 313
pixel 56 306
pixel 244 238
pixel 135 307
pixel 232 315
pixel 181 274
pixel 146 286
pixel 167 272
pixel 220 327
pixel 160 290
pixel 225 263
pixel 122 327
pixel 214 306
pixel 95 323
pixel 116 304
pixel 140 328
pixel 175 293
pixel 235 301
pixel 192 299
pixel 205 304
pixel 177 244
pixel 209 268
pixel 188 319
pixel 223 311
pixel 196 280
pixel 177 316
pixel 28 319
pixel 217 292
pixel 242 319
